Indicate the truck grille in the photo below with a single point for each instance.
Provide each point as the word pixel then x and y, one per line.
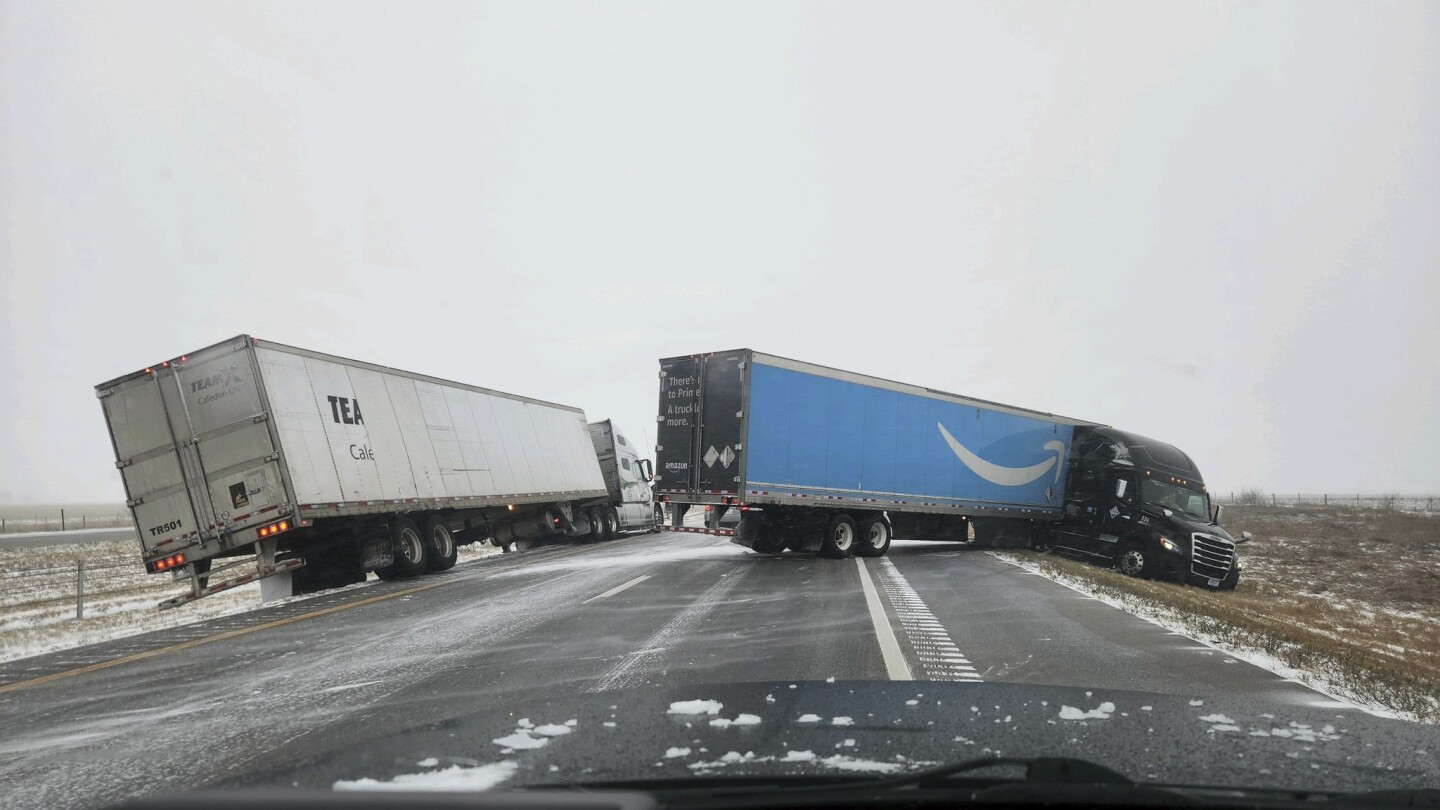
pixel 1211 556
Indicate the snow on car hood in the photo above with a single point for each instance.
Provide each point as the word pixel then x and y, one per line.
pixel 848 728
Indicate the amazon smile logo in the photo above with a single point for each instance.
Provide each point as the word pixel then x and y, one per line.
pixel 1005 476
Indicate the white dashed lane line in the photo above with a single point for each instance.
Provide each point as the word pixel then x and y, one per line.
pixel 939 658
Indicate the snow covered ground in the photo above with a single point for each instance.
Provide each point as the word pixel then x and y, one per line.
pixel 37 597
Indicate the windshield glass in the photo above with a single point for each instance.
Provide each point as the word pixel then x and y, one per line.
pixel 1171 496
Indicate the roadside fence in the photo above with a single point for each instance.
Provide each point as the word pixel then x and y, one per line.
pixel 1392 502
pixel 53 587
pixel 60 521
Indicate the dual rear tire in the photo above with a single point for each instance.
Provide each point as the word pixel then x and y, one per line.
pixel 419 551
pixel 868 537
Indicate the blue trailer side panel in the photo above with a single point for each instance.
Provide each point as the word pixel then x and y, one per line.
pixel 818 435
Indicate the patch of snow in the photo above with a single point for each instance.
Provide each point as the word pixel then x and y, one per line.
pixel 1216 718
pixel 696 707
pixel 844 763
pixel 841 721
pixel 521 741
pixel 608 724
pixel 809 718
pixel 1101 712
pixel 798 756
pixel 911 702
pixel 428 762
pixel 672 753
pixel 453 778
pixel 1197 703
pixel 552 730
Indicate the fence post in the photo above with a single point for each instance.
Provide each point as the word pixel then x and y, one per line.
pixel 62 520
pixel 1326 496
pixel 82 521
pixel 80 590
pixel 1272 499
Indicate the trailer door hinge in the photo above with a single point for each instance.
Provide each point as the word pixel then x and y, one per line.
pixel 741 365
pixel 272 457
pixel 739 414
pixel 659 418
pixel 259 417
pixel 134 502
pixel 123 463
pixel 99 394
pixel 662 372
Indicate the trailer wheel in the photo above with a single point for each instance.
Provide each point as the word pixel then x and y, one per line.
pixel 874 538
pixel 659 518
pixel 440 545
pixel 840 537
pixel 411 551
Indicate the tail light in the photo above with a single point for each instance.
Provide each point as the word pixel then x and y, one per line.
pixel 167 563
pixel 273 529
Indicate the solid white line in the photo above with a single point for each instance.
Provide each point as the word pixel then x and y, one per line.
pixel 895 665
pixel 618 589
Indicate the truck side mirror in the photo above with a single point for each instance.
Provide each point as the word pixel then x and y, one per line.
pixel 1245 537
pixel 647 470
pixel 1120 485
pixel 1219 510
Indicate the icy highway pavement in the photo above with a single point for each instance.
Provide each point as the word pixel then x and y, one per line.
pixel 216 700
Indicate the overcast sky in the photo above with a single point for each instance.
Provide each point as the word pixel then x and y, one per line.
pixel 1214 224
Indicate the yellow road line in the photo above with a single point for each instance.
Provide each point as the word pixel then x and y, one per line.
pixel 185 645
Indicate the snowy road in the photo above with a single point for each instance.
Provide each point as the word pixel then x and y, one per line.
pixel 211 701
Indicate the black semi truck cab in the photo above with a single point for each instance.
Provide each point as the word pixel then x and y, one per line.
pixel 1143 505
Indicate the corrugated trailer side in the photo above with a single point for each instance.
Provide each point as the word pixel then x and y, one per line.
pixel 358 437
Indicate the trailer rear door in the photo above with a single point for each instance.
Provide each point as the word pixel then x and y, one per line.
pixel 701 423
pixel 195 450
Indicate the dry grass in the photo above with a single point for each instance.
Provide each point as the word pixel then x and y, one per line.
pixel 1350 596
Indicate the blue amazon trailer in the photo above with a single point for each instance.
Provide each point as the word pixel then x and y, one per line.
pixel 816 458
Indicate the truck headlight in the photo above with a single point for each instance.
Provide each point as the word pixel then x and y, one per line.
pixel 1168 544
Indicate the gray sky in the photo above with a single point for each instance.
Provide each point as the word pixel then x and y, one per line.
pixel 1214 224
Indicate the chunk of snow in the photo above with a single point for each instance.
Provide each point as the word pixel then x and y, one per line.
pixel 1147 708
pixel 672 753
pixel 1101 712
pixel 844 763
pixel 572 722
pixel 830 679
pixel 798 756
pixel 552 730
pixel 1216 718
pixel 809 718
pixel 524 722
pixel 747 719
pixel 453 778
pixel 521 741
pixel 608 724
pixel 911 702
pixel 1197 703
pixel 841 721
pixel 1224 727
pixel 696 707
pixel 428 762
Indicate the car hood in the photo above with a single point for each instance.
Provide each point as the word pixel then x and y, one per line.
pixel 848 728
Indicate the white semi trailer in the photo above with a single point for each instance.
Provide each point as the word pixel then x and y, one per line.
pixel 276 461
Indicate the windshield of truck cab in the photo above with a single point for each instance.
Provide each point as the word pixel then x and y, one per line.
pixel 488 394
pixel 1170 496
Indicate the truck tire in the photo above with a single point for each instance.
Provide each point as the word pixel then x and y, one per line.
pixel 597 526
pixel 659 518
pixel 612 524
pixel 1135 562
pixel 411 551
pixel 874 539
pixel 440 545
pixel 840 537
pixel 1230 581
